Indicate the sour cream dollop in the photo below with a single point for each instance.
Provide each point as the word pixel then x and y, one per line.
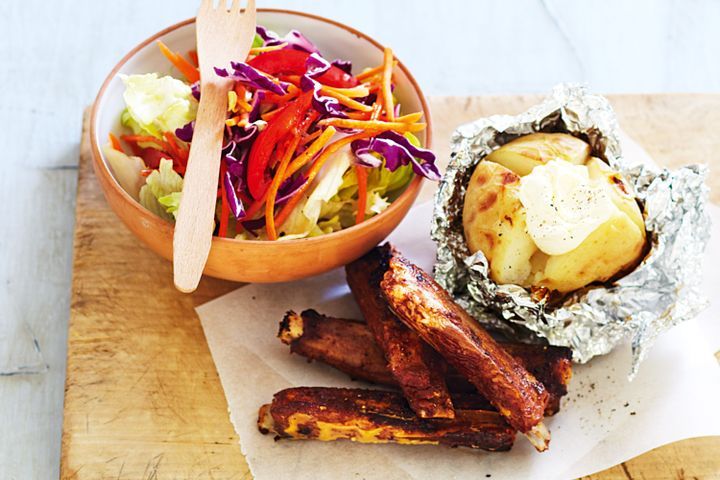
pixel 564 205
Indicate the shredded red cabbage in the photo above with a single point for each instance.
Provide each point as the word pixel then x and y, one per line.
pixel 235 154
pixel 254 114
pixel 247 75
pixel 396 150
pixel 315 67
pixel 185 133
pixel 344 65
pixel 289 188
pixel 231 194
pixel 293 39
pixel 195 90
pixel 286 191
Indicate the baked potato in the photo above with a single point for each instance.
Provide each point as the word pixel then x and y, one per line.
pixel 527 152
pixel 495 219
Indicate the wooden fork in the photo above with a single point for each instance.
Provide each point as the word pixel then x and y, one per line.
pixel 223 35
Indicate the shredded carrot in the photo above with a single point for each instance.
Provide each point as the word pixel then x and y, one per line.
pixel 269 115
pixel 374 83
pixel 255 207
pixel 239 89
pixel 115 142
pixel 280 99
pixel 376 87
pixel 345 100
pixel 186 68
pixel 176 150
pixel 232 101
pixel 373 125
pixel 386 84
pixel 410 117
pixel 239 120
pixel 259 50
pixel 362 174
pixel 355 92
pixel 359 115
pixel 145 172
pixel 291 79
pixel 244 105
pixel 172 146
pixel 312 173
pixel 140 138
pixel 194 57
pixel 310 152
pixel 241 102
pixel 224 205
pixel 309 138
pixel 135 139
pixel 275 185
pixel 371 72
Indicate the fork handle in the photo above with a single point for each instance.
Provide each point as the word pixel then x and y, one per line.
pixel 196 215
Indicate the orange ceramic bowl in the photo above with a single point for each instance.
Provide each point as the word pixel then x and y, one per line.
pixel 247 260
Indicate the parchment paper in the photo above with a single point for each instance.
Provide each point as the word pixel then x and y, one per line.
pixel 604 420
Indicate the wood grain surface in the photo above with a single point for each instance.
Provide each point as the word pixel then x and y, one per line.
pixel 142 397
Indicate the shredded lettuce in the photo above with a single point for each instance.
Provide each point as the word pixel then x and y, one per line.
pixel 162 191
pixel 305 219
pixel 157 104
pixel 332 203
pixel 383 187
pixel 171 203
pixel 126 170
pixel 298 225
pixel 330 183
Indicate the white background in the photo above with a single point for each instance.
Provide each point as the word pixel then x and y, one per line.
pixel 54 55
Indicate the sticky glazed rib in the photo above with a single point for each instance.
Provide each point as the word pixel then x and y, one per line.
pixel 429 310
pixel 551 366
pixel 348 345
pixel 418 370
pixel 374 416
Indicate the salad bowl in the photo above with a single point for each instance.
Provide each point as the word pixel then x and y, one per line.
pixel 256 260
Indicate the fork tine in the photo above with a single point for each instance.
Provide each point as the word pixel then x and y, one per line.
pixel 250 8
pixel 235 6
pixel 206 5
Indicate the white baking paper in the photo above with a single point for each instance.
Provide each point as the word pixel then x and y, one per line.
pixel 604 420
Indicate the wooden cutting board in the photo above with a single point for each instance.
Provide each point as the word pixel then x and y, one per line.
pixel 142 397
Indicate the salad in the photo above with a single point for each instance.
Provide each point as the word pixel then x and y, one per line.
pixel 309 148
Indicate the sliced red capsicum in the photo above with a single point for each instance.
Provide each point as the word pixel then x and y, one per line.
pixel 258 175
pixel 292 62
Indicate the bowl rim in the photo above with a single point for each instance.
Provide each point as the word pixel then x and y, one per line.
pixel 102 168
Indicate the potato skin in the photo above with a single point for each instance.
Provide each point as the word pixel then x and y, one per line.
pixel 494 222
pixel 527 152
pixel 614 246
